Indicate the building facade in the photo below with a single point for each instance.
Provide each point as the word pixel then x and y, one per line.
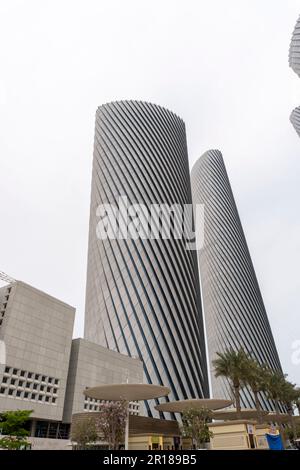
pixel 234 310
pixel 142 295
pixel 42 369
pixel 294 52
pixel 92 365
pixel 295 120
pixel 294 62
pixel 36 330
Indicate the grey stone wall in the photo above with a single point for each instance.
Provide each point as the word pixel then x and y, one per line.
pixel 37 332
pixel 92 365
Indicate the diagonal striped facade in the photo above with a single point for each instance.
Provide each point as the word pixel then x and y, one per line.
pixel 143 296
pixel 295 120
pixel 234 311
pixel 294 62
pixel 294 52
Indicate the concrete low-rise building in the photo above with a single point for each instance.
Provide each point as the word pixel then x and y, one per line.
pixel 36 330
pixel 92 365
pixel 44 370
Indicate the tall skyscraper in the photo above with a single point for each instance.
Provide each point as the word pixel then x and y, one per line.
pixel 294 52
pixel 143 295
pixel 234 311
pixel 295 120
pixel 294 61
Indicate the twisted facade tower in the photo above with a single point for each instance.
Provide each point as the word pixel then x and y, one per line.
pixel 295 120
pixel 234 311
pixel 294 52
pixel 294 62
pixel 143 296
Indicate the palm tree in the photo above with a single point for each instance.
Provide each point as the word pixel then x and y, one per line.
pixel 297 399
pixel 290 395
pixel 232 365
pixel 296 402
pixel 275 390
pixel 256 378
pixel 275 387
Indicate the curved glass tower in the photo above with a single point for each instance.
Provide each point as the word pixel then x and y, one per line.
pixel 295 120
pixel 143 295
pixel 234 311
pixel 294 62
pixel 294 52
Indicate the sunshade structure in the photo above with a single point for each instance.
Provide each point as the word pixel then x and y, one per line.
pixel 126 392
pixel 183 405
pixel 232 414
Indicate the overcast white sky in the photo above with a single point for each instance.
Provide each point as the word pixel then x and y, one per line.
pixel 222 66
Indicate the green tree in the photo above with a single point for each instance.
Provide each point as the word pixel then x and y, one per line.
pixel 84 432
pixel 291 432
pixel 297 399
pixel 256 377
pixel 275 388
pixel 290 395
pixel 195 425
pixel 12 428
pixel 233 365
pixel 111 422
